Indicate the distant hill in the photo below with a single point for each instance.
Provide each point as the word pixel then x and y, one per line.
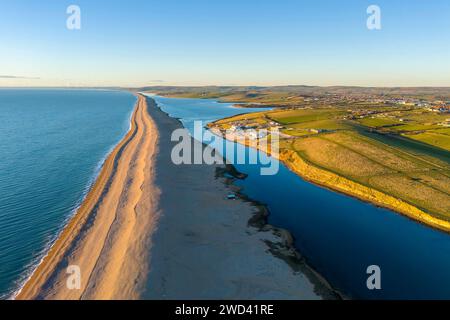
pixel 437 93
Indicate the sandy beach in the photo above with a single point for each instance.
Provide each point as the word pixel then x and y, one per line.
pixel 150 229
pixel 108 236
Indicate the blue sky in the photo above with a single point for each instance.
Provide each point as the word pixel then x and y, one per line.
pixel 245 42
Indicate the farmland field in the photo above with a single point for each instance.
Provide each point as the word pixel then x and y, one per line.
pixel 402 153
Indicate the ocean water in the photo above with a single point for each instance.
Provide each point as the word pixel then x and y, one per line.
pixel 338 235
pixel 52 144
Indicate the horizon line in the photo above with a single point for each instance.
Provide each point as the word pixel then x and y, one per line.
pixel 217 86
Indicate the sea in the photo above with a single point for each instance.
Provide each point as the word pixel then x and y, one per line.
pixel 52 145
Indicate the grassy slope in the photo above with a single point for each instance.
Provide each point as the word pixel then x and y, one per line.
pixel 411 178
pixel 253 93
pixel 395 156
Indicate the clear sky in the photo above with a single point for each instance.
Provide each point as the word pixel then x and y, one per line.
pixel 218 42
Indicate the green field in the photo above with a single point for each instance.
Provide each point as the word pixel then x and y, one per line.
pixel 395 148
pixel 378 122
pixel 433 138
pixel 409 165
pixel 306 115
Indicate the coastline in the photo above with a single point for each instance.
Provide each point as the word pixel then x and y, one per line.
pixel 126 229
pixel 285 248
pixel 92 227
pixel 350 188
pixel 203 238
pixel 342 185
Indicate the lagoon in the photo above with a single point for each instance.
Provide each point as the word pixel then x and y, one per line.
pixel 338 235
